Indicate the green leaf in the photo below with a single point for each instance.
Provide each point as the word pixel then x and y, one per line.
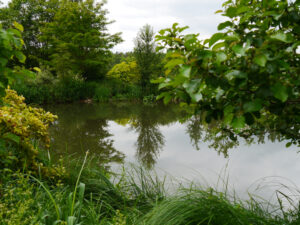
pixel 239 50
pixel 20 56
pixel 220 57
pixel 233 37
pixel 163 85
pixel 260 60
pixel 238 122
pixel 174 62
pixel 218 46
pixel 3 61
pixel 232 74
pixel 18 26
pixel 185 71
pixel 167 98
pixel 216 37
pixel 242 9
pixel 280 92
pixel 228 118
pixel 253 106
pixel 231 12
pixel 288 144
pixel 12 137
pixel 280 36
pixel 221 26
pixel 196 97
pixel 37 69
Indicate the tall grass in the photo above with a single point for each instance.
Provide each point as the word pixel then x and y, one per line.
pixel 90 195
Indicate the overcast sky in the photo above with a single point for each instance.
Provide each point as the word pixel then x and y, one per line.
pixel 131 15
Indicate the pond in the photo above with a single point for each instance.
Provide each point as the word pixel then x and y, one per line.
pixel 166 139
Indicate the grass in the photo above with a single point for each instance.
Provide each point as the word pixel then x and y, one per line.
pixel 90 195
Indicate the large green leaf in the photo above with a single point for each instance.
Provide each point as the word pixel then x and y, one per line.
pixel 280 92
pixel 260 60
pixel 239 50
pixel 185 71
pixel 238 122
pixel 20 56
pixel 12 137
pixel 220 57
pixel 280 36
pixel 216 37
pixel 174 62
pixel 221 26
pixel 253 106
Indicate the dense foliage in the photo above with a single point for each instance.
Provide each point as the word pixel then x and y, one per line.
pixel 33 15
pixel 247 75
pixel 11 43
pixel 79 39
pixel 22 128
pixel 70 36
pixel 126 71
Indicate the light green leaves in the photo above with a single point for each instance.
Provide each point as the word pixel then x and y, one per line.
pixel 238 122
pixel 220 57
pixel 174 62
pixel 280 92
pixel 260 60
pixel 185 71
pixel 216 37
pixel 20 56
pixel 222 26
pixel 280 36
pixel 239 50
pixel 18 26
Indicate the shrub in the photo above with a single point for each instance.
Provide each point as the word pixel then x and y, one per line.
pixel 22 129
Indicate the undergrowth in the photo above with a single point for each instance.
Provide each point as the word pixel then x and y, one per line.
pixel 91 195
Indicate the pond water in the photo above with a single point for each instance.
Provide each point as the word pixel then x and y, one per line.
pixel 164 138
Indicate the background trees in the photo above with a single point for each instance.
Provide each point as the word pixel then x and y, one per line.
pixel 33 15
pixel 79 37
pixel 70 36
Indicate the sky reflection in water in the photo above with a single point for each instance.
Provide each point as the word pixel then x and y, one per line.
pixel 153 136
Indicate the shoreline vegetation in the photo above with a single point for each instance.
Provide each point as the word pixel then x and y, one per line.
pixel 88 194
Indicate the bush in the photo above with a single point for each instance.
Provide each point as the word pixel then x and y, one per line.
pixel 22 130
pixel 102 93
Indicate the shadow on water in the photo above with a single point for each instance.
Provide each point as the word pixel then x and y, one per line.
pixel 83 127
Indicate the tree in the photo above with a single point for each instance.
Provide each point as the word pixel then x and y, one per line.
pixel 32 15
pixel 126 72
pixel 146 57
pixel 247 75
pixel 11 44
pixel 79 38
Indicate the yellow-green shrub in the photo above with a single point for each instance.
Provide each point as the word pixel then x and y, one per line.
pixel 126 72
pixel 22 129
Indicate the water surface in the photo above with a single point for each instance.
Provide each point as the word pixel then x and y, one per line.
pixel 164 138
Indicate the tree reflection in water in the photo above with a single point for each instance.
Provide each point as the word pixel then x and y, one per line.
pixel 82 127
pixel 150 140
